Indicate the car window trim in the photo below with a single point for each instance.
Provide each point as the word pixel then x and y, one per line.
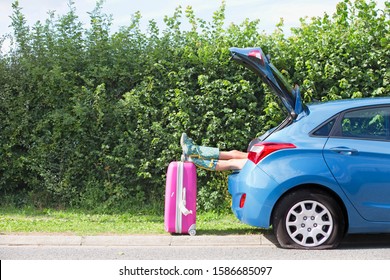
pixel 334 117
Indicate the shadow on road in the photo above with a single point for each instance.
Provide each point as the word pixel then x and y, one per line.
pixel 352 241
pixel 365 241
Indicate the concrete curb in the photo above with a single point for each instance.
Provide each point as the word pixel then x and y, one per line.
pixel 260 240
pixel 137 240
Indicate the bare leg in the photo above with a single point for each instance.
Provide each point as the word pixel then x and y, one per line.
pixel 230 164
pixel 234 154
pixel 231 160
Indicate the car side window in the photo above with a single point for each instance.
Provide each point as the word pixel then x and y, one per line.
pixel 369 123
pixel 325 129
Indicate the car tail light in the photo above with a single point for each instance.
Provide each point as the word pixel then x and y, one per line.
pixel 257 54
pixel 242 200
pixel 261 150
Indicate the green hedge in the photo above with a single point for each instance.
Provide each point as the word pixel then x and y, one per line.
pixel 91 118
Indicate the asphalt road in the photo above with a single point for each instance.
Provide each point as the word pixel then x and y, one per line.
pixel 167 247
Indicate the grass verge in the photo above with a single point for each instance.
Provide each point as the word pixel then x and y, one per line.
pixel 77 222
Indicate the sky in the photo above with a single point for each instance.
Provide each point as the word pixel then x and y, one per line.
pixel 268 11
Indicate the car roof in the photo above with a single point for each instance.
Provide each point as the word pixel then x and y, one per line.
pixel 333 107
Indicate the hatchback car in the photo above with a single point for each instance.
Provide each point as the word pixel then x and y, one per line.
pixel 322 173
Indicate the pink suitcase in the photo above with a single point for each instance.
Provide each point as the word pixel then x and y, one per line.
pixel 180 198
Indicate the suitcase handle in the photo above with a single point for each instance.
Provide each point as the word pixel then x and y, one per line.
pixel 182 204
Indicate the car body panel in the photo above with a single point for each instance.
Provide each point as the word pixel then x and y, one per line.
pixel 364 175
pixel 265 183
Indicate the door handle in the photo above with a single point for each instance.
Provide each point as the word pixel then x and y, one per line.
pixel 344 151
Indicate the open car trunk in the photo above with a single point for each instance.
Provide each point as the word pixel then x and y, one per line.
pixel 255 60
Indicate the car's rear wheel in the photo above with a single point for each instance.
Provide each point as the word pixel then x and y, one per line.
pixel 308 219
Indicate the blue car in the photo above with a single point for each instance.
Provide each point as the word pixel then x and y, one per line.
pixel 322 173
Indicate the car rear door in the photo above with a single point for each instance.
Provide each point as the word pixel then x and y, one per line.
pixel 255 60
pixel 358 155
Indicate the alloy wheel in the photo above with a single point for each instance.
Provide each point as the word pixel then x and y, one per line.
pixel 309 223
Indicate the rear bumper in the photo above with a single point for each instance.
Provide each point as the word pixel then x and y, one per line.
pixel 258 187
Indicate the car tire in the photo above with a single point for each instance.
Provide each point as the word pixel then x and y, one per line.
pixel 308 219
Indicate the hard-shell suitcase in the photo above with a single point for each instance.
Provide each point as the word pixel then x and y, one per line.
pixel 180 198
